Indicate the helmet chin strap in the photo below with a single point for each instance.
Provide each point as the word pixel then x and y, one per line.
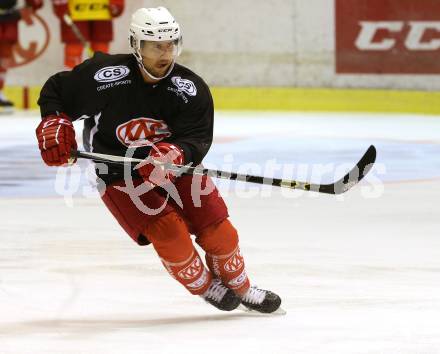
pixel 151 76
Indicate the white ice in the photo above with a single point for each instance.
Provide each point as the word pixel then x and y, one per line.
pixel 357 274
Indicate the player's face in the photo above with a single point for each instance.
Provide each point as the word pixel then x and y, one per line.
pixel 158 56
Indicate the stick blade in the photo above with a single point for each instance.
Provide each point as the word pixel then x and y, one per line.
pixel 352 178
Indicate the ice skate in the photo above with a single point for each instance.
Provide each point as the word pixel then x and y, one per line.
pixel 221 297
pixel 260 300
pixel 5 104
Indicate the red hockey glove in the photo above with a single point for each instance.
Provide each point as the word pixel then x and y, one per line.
pixel 116 7
pixel 60 8
pixel 56 139
pixel 165 153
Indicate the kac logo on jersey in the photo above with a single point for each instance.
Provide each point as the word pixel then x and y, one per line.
pixel 142 132
pixel 184 85
pixel 111 73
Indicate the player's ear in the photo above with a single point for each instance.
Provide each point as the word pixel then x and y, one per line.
pixel 133 41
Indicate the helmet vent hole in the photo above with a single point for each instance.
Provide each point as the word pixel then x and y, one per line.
pixel 147 23
pixel 163 23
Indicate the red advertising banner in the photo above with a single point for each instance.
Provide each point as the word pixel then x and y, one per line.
pixel 388 36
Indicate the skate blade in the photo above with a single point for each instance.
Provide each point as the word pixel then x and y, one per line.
pixel 279 312
pixel 6 111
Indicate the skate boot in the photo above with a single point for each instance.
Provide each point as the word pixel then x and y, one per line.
pixel 221 297
pixel 260 300
pixel 5 104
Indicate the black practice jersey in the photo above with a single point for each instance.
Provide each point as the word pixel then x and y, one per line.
pixel 120 110
pixel 8 11
pixel 7 4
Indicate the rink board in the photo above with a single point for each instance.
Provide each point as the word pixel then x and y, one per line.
pixel 292 99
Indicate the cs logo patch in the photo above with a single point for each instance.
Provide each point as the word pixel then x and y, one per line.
pixel 184 85
pixel 111 73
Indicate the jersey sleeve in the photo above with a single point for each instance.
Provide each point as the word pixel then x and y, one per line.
pixel 9 15
pixel 72 92
pixel 193 130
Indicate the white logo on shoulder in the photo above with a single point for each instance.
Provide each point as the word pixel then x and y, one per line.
pixel 111 73
pixel 184 85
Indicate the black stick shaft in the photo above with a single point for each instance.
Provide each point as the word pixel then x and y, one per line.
pixel 349 180
pixel 188 170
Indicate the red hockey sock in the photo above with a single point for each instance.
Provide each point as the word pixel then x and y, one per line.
pixel 72 54
pixel 171 240
pixel 6 59
pixel 220 242
pixel 191 273
pixel 2 76
pixel 100 46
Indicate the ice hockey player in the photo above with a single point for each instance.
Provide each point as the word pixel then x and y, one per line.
pixel 10 14
pixel 147 100
pixel 93 19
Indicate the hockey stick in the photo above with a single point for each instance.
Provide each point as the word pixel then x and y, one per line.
pixel 356 174
pixel 69 22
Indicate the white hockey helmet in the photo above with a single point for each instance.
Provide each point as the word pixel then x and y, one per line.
pixel 154 25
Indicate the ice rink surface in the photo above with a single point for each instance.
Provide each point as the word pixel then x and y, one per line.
pixel 357 274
